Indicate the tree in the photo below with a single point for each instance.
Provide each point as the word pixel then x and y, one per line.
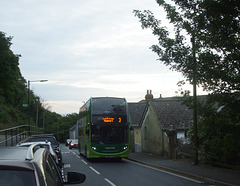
pixel 176 52
pixel 13 89
pixel 220 33
pixel 68 121
pixel 12 85
pixel 14 94
pixel 214 26
pixel 61 124
pixel 196 49
pixel 11 78
pixel 219 128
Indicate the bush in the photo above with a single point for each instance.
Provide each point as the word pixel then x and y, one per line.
pixel 219 139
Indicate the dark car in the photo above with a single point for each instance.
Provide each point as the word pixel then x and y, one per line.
pixel 32 166
pixel 73 144
pixel 49 138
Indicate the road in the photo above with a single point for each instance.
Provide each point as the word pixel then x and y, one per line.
pixel 115 173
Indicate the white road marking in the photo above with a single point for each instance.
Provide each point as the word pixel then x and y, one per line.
pixel 94 170
pixel 66 165
pixel 84 162
pixel 186 178
pixel 111 183
pixel 66 152
pixel 63 176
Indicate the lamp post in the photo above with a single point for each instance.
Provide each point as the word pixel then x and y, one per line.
pixel 44 80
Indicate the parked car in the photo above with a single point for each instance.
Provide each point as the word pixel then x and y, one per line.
pixel 44 138
pixel 32 166
pixel 73 144
pixel 47 145
pixel 68 142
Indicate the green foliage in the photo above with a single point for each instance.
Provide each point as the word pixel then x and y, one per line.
pixel 66 123
pixel 219 139
pixel 12 85
pixel 60 125
pixel 83 113
pixel 206 48
pixel 14 94
pixel 9 72
pixel 214 27
pixel 219 127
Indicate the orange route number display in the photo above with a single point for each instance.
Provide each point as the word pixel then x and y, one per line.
pixel 111 120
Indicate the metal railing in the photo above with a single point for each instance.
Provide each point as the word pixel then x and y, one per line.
pixel 11 136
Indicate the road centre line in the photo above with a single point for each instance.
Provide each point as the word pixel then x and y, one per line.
pixel 177 175
pixel 94 170
pixel 107 180
pixel 84 162
pixel 111 183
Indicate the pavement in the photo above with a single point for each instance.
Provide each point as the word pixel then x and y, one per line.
pixel 184 167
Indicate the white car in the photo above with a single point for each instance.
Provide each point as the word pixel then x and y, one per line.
pixel 34 167
pixel 47 145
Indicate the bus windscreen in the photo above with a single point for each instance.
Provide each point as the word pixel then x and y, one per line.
pixel 106 106
pixel 109 121
pixel 102 134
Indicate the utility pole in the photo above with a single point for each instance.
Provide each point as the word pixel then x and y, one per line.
pixel 29 120
pixel 196 140
pixel 37 101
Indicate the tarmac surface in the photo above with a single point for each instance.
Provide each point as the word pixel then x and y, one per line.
pixel 202 172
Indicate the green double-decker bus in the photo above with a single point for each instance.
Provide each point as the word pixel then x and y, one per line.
pixel 104 130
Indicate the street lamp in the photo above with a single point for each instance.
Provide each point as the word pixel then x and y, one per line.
pixel 43 80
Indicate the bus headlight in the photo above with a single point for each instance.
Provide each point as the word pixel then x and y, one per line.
pixel 94 148
pixel 124 148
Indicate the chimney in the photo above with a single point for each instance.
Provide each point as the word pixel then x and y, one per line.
pixel 160 96
pixel 149 96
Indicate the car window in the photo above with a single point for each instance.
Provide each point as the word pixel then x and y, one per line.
pixel 46 146
pixel 53 176
pixel 17 177
pixel 41 146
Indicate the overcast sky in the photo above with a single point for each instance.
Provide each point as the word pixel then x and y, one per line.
pixel 86 48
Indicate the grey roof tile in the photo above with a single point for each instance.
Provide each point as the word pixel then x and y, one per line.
pixel 136 111
pixel 172 112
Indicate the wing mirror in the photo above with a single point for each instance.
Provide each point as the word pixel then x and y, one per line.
pixel 75 178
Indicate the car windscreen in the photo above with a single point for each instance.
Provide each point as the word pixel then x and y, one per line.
pixel 17 177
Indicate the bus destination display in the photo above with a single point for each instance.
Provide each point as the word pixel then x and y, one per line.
pixel 111 120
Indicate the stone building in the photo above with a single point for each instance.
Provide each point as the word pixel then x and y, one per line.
pixel 157 123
